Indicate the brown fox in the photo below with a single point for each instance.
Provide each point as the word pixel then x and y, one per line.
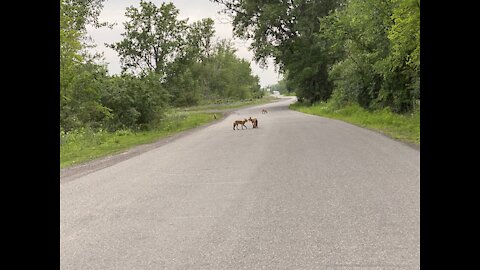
pixel 254 122
pixel 239 122
pixel 264 111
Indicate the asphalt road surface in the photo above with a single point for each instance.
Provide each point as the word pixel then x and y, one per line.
pixel 298 192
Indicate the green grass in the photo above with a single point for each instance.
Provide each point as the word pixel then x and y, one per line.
pixel 83 145
pixel 398 126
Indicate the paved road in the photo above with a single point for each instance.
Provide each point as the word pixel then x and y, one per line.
pixel 299 192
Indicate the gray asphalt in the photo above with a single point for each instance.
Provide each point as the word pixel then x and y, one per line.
pixel 299 192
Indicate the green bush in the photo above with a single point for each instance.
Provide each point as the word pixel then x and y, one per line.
pixel 135 103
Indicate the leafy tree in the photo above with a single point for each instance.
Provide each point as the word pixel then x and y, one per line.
pixel 181 81
pixel 83 106
pixel 367 50
pixel 199 39
pixel 361 26
pixel 153 40
pixel 402 66
pixel 157 41
pixel 82 13
pixel 229 76
pixel 185 88
pixel 404 34
pixel 373 70
pixel 80 77
pixel 69 60
pixel 283 87
pixel 285 30
pixel 134 102
pixel 165 61
pixel 220 76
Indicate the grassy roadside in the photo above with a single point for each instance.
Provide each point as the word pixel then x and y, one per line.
pixel 84 145
pixel 401 127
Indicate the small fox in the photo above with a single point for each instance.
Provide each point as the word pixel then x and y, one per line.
pixel 254 122
pixel 264 111
pixel 239 122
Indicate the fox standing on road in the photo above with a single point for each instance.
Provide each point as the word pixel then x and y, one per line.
pixel 239 122
pixel 254 122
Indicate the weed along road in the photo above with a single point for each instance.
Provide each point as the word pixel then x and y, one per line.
pixel 298 192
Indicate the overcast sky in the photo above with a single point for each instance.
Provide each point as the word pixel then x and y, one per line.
pixel 114 12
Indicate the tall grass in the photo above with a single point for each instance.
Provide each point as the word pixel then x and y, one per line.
pixel 404 127
pixel 84 144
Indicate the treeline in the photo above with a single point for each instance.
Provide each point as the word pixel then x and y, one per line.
pixel 282 87
pixel 342 51
pixel 166 63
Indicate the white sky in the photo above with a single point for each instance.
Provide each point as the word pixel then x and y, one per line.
pixel 114 12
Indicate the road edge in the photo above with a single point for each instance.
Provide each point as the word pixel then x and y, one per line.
pixel 76 171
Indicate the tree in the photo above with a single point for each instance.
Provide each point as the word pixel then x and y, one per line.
pixel 153 40
pixel 285 30
pixel 404 35
pixel 199 39
pixel 229 76
pixel 82 13
pixel 362 28
pixel 378 67
pixel 281 86
pixel 220 76
pixel 134 102
pixel 80 77
pixel 156 41
pixel 404 58
pixel 196 48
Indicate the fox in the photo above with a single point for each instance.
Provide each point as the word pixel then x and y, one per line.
pixel 264 111
pixel 239 122
pixel 254 122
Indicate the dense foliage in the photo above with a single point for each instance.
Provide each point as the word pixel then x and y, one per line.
pixel 166 63
pixel 348 51
pixel 80 78
pixel 283 87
